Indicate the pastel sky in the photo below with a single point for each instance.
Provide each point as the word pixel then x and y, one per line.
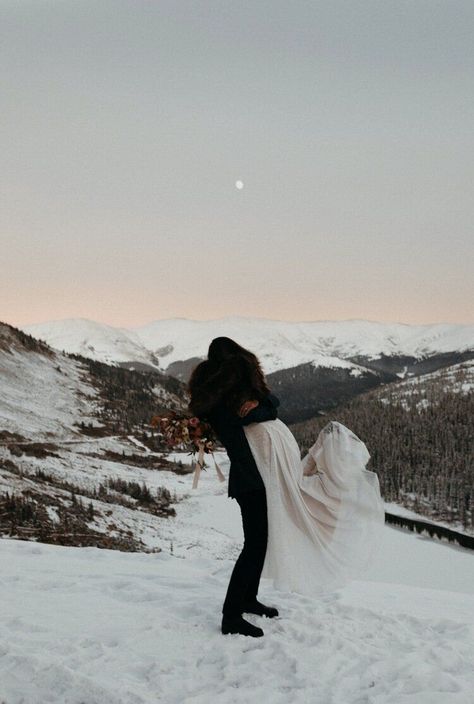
pixel 125 125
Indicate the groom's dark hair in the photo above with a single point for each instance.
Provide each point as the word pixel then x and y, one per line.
pixel 231 374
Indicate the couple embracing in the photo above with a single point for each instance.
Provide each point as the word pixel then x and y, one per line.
pixel 310 524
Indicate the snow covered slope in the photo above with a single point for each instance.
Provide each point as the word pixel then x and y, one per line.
pixel 43 393
pixel 278 344
pixel 457 379
pixel 94 340
pixel 99 626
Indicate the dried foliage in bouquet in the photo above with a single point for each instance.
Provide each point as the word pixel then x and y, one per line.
pixel 181 432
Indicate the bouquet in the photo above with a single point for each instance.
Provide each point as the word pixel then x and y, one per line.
pixel 183 432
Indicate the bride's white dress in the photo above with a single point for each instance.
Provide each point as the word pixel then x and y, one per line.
pixel 325 511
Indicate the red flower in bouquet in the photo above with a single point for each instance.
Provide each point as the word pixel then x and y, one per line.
pixel 184 432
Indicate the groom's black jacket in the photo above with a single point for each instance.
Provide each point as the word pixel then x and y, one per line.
pixel 228 426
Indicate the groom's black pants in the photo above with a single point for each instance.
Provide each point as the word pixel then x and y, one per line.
pixel 245 578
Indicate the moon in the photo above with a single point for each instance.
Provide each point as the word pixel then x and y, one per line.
pixel 239 185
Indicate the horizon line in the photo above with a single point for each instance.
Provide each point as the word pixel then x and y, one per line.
pixel 243 317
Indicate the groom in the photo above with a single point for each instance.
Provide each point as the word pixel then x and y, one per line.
pixel 243 473
pixel 247 487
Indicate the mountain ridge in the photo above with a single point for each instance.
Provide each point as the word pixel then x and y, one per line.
pixel 278 344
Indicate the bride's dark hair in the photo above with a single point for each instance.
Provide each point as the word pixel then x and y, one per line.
pixel 231 374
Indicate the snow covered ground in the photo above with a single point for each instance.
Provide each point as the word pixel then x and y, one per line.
pixel 93 626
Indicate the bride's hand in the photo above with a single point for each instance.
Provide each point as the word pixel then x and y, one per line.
pixel 246 407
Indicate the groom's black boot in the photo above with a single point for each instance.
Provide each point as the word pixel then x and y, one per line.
pixel 255 607
pixel 237 624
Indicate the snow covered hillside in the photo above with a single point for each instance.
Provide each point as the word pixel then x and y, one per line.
pixel 85 625
pixel 65 474
pixel 278 344
pixel 45 394
pixel 99 341
pixel 423 390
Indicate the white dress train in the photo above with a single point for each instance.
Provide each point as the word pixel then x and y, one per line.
pixel 325 511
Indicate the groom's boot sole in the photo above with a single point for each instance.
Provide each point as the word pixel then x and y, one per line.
pixel 240 625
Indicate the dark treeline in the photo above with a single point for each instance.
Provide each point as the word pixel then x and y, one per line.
pixel 14 338
pixel 420 438
pixel 128 397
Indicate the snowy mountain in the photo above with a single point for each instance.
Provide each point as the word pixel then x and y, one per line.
pixel 346 344
pixel 98 341
pixel 72 420
pixel 69 471
pixel 45 393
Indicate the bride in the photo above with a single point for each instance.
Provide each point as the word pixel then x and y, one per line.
pixel 310 524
